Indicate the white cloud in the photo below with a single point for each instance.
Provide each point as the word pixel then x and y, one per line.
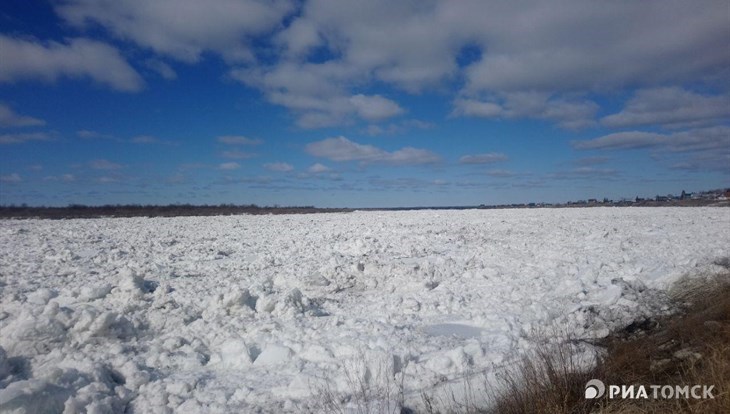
pixel 514 47
pixel 394 43
pixel 411 156
pixel 374 108
pixel 107 180
pixel 536 47
pixel 229 166
pixel 78 58
pixel 102 164
pixel 589 161
pixel 162 69
pixel 238 155
pixel 319 58
pixel 400 127
pixel 622 140
pixel 10 119
pixel 27 137
pixel 316 93
pixel 474 107
pixel 318 168
pixel 65 178
pixel 88 134
pixel 149 140
pixel 701 139
pixel 11 178
pixel 144 139
pixel 670 106
pixel 500 173
pixel 238 140
pixel 568 114
pixel 182 29
pixel 279 167
pixel 581 173
pixel 488 158
pixel 342 149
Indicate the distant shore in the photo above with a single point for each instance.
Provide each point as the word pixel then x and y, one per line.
pixel 184 210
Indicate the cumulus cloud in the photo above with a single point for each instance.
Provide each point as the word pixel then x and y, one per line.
pixel 238 140
pixel 535 48
pixel 144 139
pixel 669 106
pixel 488 158
pixel 589 161
pixel 501 173
pixel 716 139
pixel 181 29
pixel 318 168
pixel 279 167
pixel 374 108
pixel 107 179
pixel 64 178
pixel 238 155
pixel 11 119
pixel 11 178
pixel 6 139
pixel 161 68
pixel 77 58
pixel 229 166
pixel 88 134
pixel 102 164
pixel 317 57
pixel 397 127
pixel 342 149
pixel 622 140
pixel 513 48
pixel 316 93
pixel 568 114
pixel 405 183
pixel 582 173
pixel 707 161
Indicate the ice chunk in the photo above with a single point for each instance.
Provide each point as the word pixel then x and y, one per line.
pixel 41 296
pixel 274 354
pixel 233 354
pixel 4 364
pixel 90 293
pixel 455 329
pixel 607 296
pixel 32 396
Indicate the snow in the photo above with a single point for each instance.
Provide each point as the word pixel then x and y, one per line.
pixel 251 313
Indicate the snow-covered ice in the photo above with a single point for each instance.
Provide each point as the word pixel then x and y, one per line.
pixel 250 313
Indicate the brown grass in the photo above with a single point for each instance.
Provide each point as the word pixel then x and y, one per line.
pixel 371 388
pixel 691 347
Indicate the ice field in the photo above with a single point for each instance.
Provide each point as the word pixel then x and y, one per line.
pixel 255 313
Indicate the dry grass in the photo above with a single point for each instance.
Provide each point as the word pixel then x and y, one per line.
pixel 691 347
pixel 374 386
pixel 550 379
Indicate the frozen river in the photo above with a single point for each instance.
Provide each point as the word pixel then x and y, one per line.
pixel 251 313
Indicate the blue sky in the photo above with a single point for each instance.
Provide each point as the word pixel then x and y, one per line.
pixel 361 104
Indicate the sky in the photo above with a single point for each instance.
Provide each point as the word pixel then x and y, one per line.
pixel 350 103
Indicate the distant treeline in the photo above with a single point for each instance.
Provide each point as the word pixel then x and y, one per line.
pixel 138 210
